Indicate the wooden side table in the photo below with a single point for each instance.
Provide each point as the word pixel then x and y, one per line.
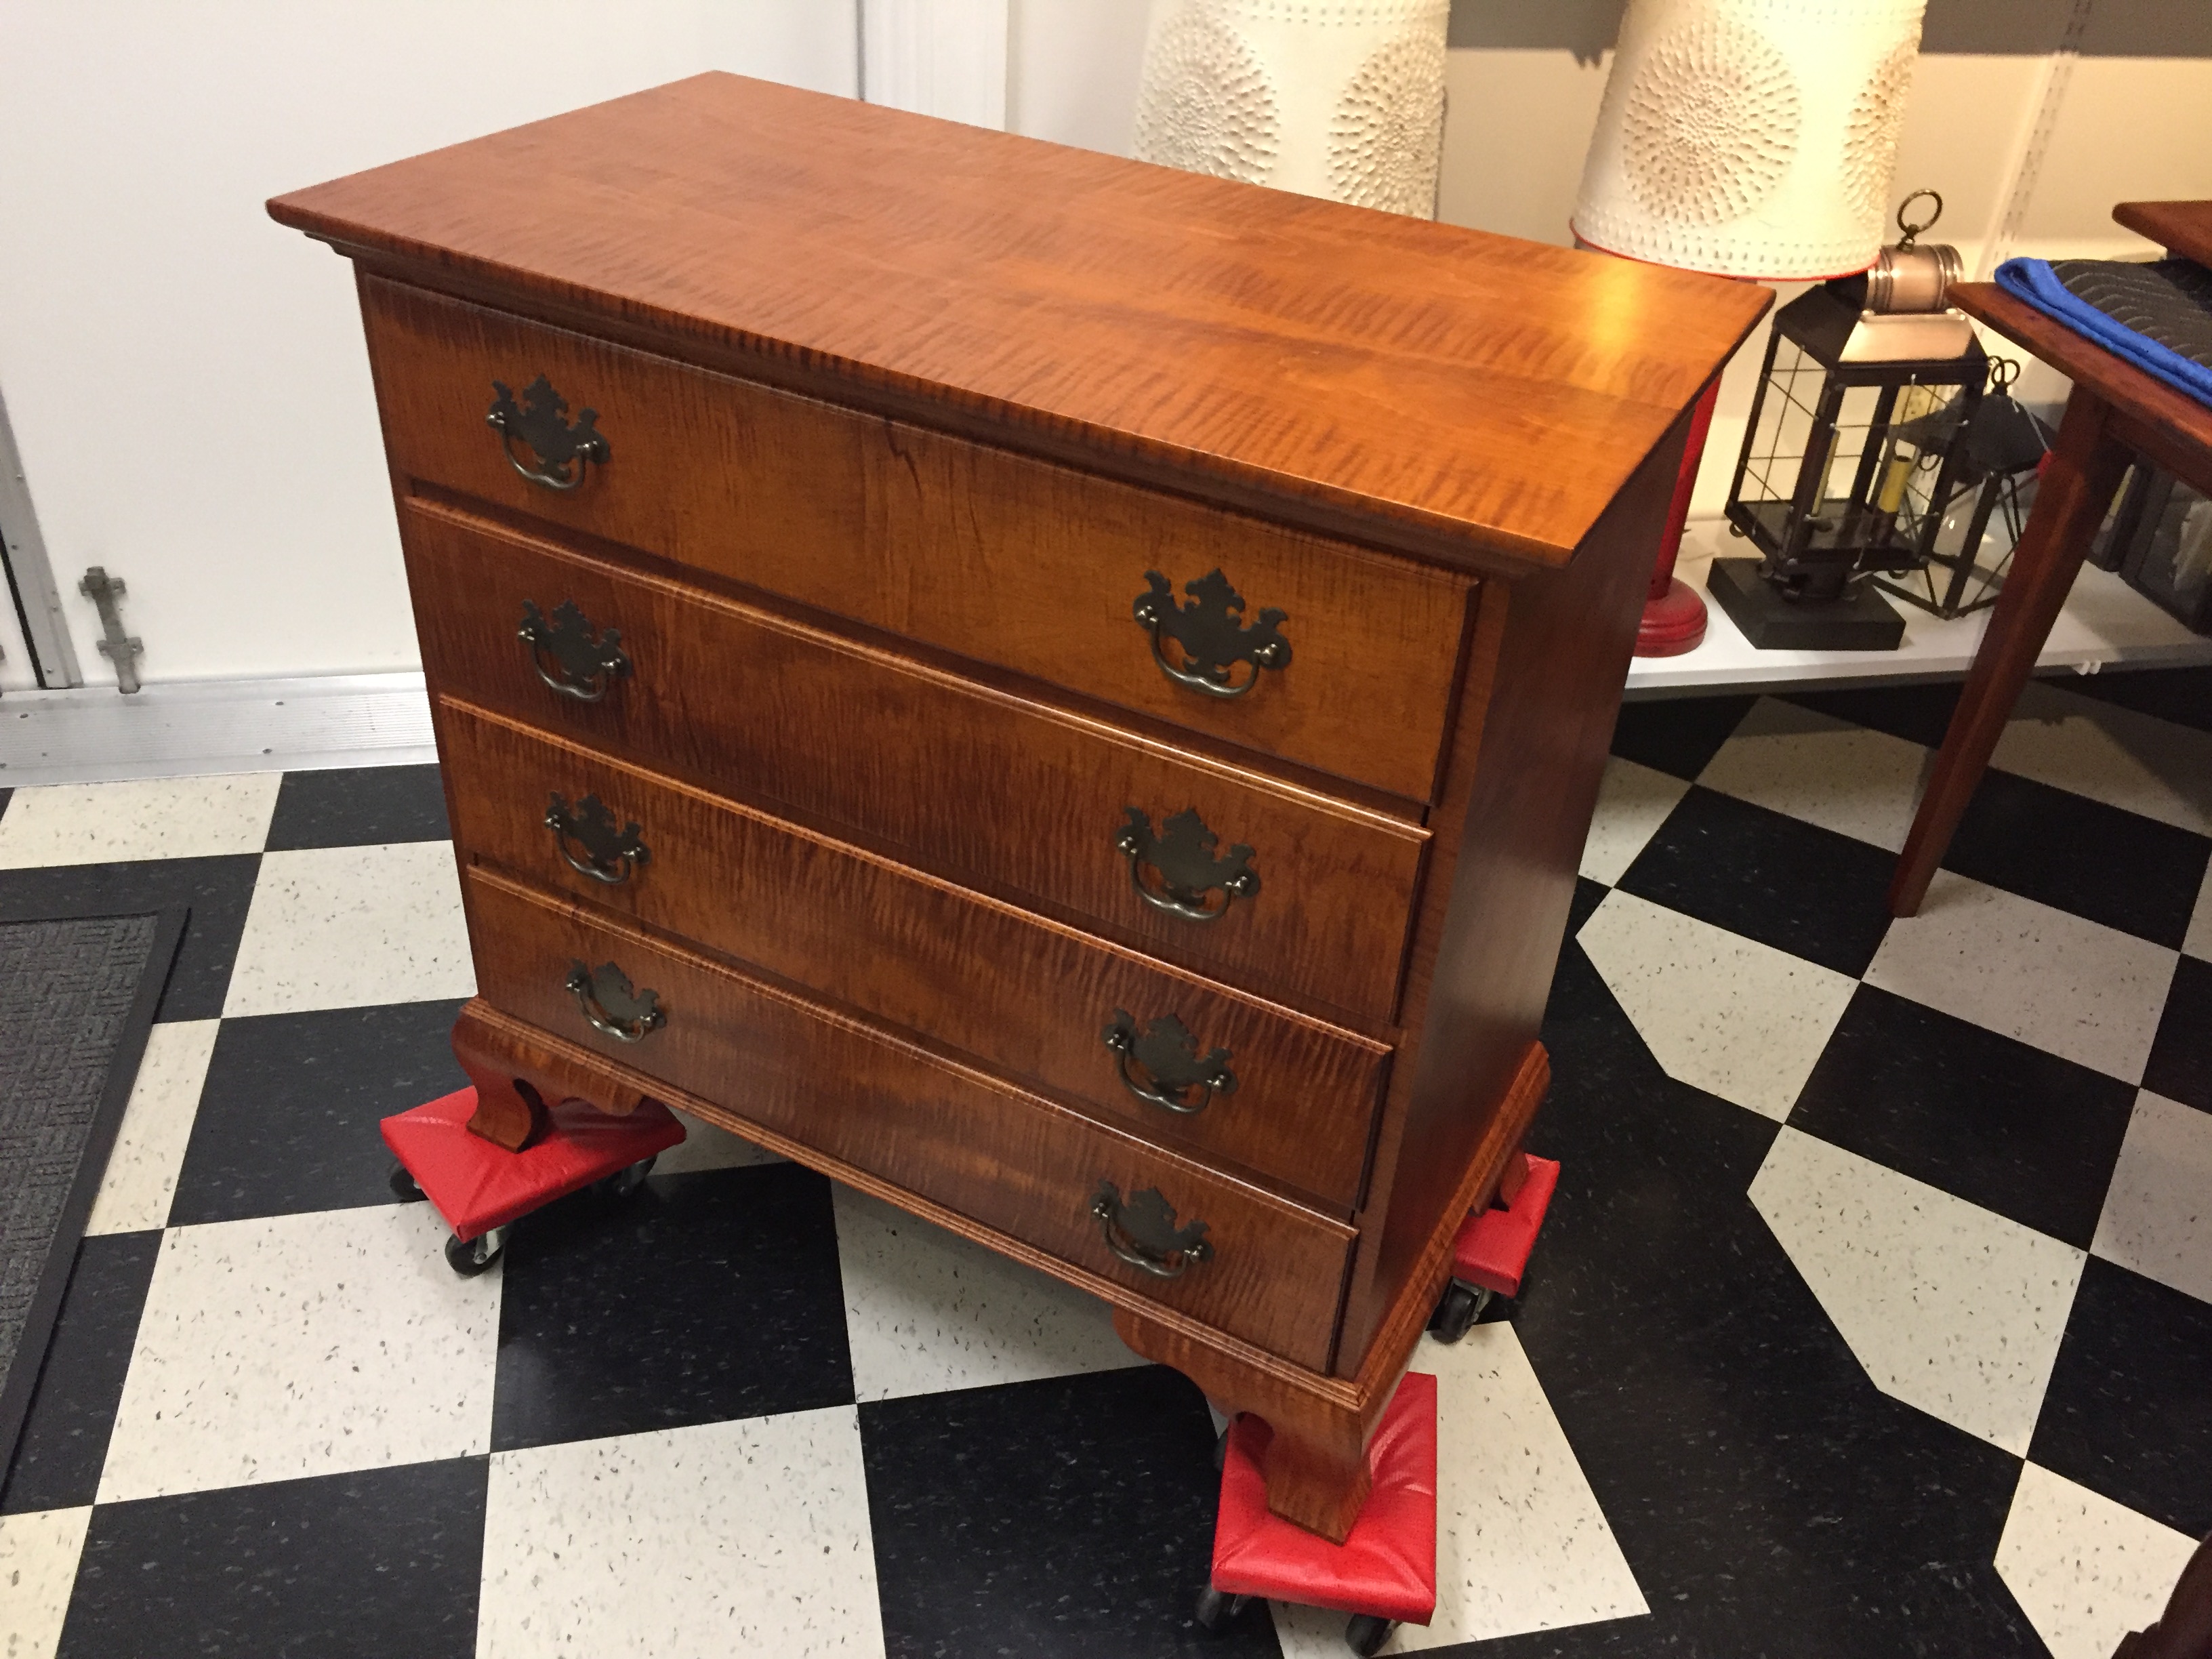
pixel 2115 412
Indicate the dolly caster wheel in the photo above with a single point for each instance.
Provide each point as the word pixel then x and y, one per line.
pixel 624 1182
pixel 469 1257
pixel 1457 1310
pixel 403 1186
pixel 1215 1610
pixel 1365 1634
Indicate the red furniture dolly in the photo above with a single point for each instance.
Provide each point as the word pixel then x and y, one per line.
pixel 482 1190
pixel 1384 1574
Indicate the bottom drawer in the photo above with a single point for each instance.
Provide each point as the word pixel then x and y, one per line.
pixel 1270 1271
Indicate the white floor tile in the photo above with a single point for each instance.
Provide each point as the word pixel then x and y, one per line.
pixel 705 1146
pixel 1732 1017
pixel 1632 802
pixel 749 1537
pixel 2111 754
pixel 349 927
pixel 1846 778
pixel 154 818
pixel 2198 940
pixel 38 1554
pixel 2085 1570
pixel 1521 1542
pixel 149 1148
pixel 2067 986
pixel 928 1310
pixel 303 1345
pixel 1949 1306
pixel 2157 1218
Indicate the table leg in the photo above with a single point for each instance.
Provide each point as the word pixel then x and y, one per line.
pixel 2077 486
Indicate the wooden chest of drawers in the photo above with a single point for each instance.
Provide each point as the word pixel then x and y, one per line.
pixel 1063 694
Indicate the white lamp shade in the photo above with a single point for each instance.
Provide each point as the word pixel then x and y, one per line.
pixel 1345 101
pixel 1750 137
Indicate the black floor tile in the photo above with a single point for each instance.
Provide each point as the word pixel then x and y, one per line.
pixel 1769 1500
pixel 1064 1519
pixel 6 795
pixel 1768 876
pixel 65 1439
pixel 707 1296
pixel 2128 1413
pixel 1919 713
pixel 1589 895
pixel 380 1565
pixel 1678 735
pixel 217 889
pixel 359 806
pixel 288 1119
pixel 2065 850
pixel 2181 695
pixel 1987 1118
pixel 2180 1064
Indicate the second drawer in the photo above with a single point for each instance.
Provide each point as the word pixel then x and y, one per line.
pixel 1256 1085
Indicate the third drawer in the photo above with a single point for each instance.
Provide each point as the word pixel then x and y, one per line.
pixel 1175 1057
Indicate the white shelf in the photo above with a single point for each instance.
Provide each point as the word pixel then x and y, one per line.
pixel 2105 623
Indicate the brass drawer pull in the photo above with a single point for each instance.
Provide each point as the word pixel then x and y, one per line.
pixel 1167 1054
pixel 1143 1233
pixel 564 452
pixel 611 1005
pixel 1210 634
pixel 586 663
pixel 1182 859
pixel 610 855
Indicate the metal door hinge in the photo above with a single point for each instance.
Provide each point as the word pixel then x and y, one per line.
pixel 119 646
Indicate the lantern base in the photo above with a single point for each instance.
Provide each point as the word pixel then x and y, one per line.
pixel 1672 623
pixel 1861 620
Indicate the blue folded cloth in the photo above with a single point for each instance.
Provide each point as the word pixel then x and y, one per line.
pixel 2158 316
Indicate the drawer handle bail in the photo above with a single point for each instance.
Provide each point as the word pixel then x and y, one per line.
pixel 610 1004
pixel 1210 633
pixel 1174 1076
pixel 612 855
pixel 1181 858
pixel 586 662
pixel 1142 1232
pixel 564 452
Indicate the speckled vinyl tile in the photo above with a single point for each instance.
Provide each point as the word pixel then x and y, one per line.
pixel 302 1345
pixel 140 1178
pixel 726 1537
pixel 2069 985
pixel 346 926
pixel 1797 760
pixel 2157 1218
pixel 148 818
pixel 357 805
pixel 2133 761
pixel 926 1311
pixel 1733 1017
pixel 39 1554
pixel 2199 941
pixel 1676 734
pixel 1949 1308
pixel 2085 1570
pixel 1632 802
pixel 374 1564
pixel 2180 1062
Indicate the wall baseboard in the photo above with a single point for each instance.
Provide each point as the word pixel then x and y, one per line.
pixel 93 734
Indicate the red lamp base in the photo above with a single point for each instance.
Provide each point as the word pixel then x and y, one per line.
pixel 1673 622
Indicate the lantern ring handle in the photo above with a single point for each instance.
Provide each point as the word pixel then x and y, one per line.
pixel 1911 230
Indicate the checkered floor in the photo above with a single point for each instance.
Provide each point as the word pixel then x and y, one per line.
pixel 1873 1313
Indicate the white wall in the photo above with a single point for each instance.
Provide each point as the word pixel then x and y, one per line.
pixel 185 377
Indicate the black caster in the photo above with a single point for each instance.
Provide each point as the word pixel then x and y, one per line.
pixel 1364 1634
pixel 1457 1310
pixel 469 1257
pixel 624 1182
pixel 1215 1610
pixel 403 1185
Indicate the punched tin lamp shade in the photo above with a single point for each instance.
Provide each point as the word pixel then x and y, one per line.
pixel 1750 137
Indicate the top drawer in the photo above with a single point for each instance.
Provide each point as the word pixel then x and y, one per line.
pixel 1004 559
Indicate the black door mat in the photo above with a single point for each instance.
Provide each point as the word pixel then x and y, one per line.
pixel 77 995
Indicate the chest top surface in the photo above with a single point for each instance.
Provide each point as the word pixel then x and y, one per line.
pixel 1473 398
